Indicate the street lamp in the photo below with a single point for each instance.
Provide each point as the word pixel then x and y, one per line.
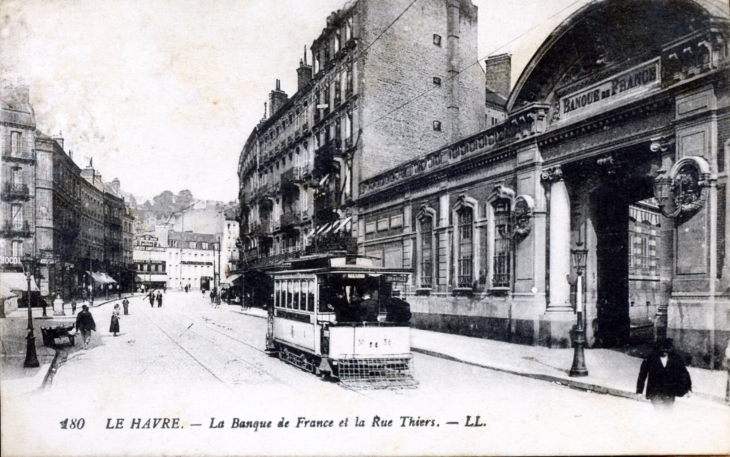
pixel 31 359
pixel 579 257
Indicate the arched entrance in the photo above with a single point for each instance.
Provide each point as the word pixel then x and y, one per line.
pixel 615 217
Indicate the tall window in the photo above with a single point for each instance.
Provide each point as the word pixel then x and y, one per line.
pixel 17 177
pixel 17 249
pixel 15 143
pixel 501 276
pixel 466 247
pixel 338 89
pixel 16 216
pixel 348 29
pixel 426 252
pixel 348 82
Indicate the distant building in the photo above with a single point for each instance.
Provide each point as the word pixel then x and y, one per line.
pixel 230 242
pixel 192 259
pixel 150 261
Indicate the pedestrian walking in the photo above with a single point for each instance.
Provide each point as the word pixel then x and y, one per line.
pixel 73 306
pixel 159 299
pixel 125 304
pixel 667 376
pixel 85 324
pixel 114 327
pixel 152 298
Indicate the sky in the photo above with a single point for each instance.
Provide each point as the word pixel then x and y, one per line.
pixel 163 93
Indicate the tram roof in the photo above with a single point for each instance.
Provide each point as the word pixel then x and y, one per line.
pixel 346 264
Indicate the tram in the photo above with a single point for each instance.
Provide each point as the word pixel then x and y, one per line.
pixel 338 317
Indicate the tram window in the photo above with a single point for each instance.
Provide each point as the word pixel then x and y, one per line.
pixel 280 294
pixel 296 294
pixel 289 300
pixel 310 297
pixel 305 288
pixel 276 293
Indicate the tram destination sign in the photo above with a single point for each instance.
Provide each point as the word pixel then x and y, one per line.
pixel 618 87
pixel 396 278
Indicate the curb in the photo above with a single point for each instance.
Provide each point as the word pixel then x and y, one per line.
pixel 584 386
pixel 52 368
pixel 245 313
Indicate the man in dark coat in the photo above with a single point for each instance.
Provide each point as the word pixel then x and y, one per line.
pixel 85 324
pixel 399 311
pixel 667 376
pixel 369 309
pixel 125 303
pixel 152 298
pixel 159 299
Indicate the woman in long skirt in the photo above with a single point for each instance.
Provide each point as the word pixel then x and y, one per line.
pixel 114 328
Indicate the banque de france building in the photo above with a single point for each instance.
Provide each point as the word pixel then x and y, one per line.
pixel 616 143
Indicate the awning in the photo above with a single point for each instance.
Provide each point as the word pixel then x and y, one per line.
pixel 342 224
pixel 101 278
pixel 16 282
pixel 230 279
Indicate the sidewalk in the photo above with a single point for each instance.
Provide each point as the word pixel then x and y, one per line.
pixel 13 330
pixel 610 372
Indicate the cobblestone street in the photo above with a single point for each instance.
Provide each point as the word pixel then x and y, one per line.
pixel 203 365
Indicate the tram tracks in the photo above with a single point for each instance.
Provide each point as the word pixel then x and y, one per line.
pixel 189 328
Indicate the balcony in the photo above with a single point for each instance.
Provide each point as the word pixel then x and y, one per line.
pixel 20 229
pixel 251 254
pixel 333 242
pixel 332 146
pixel 115 221
pixel 24 157
pixel 349 142
pixel 15 192
pixel 289 219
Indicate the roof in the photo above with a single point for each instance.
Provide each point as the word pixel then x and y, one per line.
pixel 191 236
pixel 495 99
pixel 598 36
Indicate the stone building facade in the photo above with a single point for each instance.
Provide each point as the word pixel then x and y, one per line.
pixel 616 142
pixel 17 205
pixel 53 210
pixel 300 165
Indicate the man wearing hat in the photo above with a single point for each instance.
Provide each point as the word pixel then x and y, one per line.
pixel 85 324
pixel 667 376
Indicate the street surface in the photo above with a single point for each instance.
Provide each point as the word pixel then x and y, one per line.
pixel 201 365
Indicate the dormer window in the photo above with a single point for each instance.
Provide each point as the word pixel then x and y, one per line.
pixel 437 39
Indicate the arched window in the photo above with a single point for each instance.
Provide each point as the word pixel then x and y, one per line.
pixel 502 243
pixel 426 276
pixel 465 222
pixel 427 249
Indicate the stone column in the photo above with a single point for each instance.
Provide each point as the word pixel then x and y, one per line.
pixel 559 241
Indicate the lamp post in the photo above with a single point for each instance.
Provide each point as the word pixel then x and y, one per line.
pixel 579 369
pixel 31 359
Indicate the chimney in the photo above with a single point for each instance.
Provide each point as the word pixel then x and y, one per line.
pixel 277 99
pixel 116 185
pixel 59 139
pixel 499 70
pixel 304 72
pixel 88 173
pixel 71 154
